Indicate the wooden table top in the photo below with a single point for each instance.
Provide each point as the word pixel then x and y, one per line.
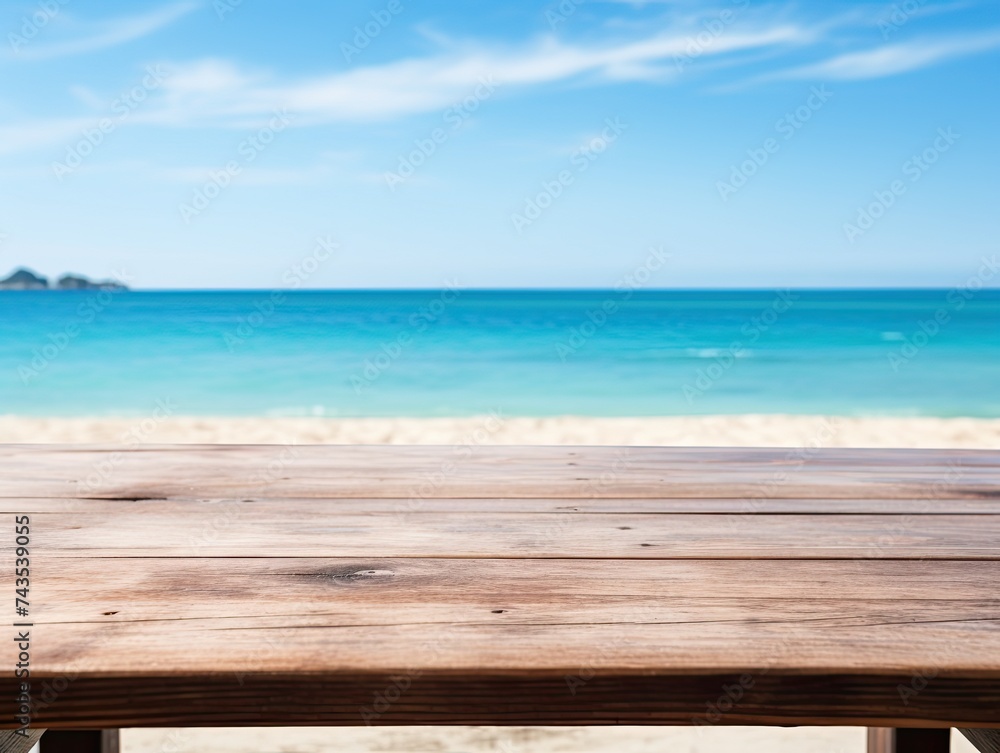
pixel 344 585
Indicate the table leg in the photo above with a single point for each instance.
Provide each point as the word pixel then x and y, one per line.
pixel 80 741
pixel 908 740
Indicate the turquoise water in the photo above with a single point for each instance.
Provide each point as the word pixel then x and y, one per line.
pixel 428 353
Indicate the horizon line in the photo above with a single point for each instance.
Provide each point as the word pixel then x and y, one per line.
pixel 539 289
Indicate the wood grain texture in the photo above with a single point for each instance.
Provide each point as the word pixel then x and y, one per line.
pixel 386 585
pixel 399 472
pixel 293 506
pixel 986 740
pixel 14 742
pixel 273 615
pixel 267 530
pixel 355 700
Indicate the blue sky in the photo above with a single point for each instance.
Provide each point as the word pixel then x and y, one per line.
pixel 220 144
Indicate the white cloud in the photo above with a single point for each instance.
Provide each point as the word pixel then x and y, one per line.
pixel 249 176
pixel 893 59
pixel 41 133
pixel 107 34
pixel 215 92
pixel 221 94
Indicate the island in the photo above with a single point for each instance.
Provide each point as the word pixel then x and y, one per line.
pixel 78 282
pixel 25 279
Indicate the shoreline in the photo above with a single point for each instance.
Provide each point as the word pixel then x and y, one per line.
pixel 761 430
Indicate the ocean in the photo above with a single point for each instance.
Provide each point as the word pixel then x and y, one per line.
pixel 533 353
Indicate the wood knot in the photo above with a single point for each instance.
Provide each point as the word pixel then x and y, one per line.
pixel 356 576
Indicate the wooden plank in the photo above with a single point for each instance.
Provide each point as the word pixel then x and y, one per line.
pixel 533 617
pixel 531 590
pixel 15 742
pixel 267 529
pixel 723 457
pixel 184 506
pixel 400 699
pixel 986 740
pixel 471 650
pixel 513 587
pixel 466 471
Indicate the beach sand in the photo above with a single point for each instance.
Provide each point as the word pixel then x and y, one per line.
pixel 715 431
pixel 509 740
pixel 748 430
